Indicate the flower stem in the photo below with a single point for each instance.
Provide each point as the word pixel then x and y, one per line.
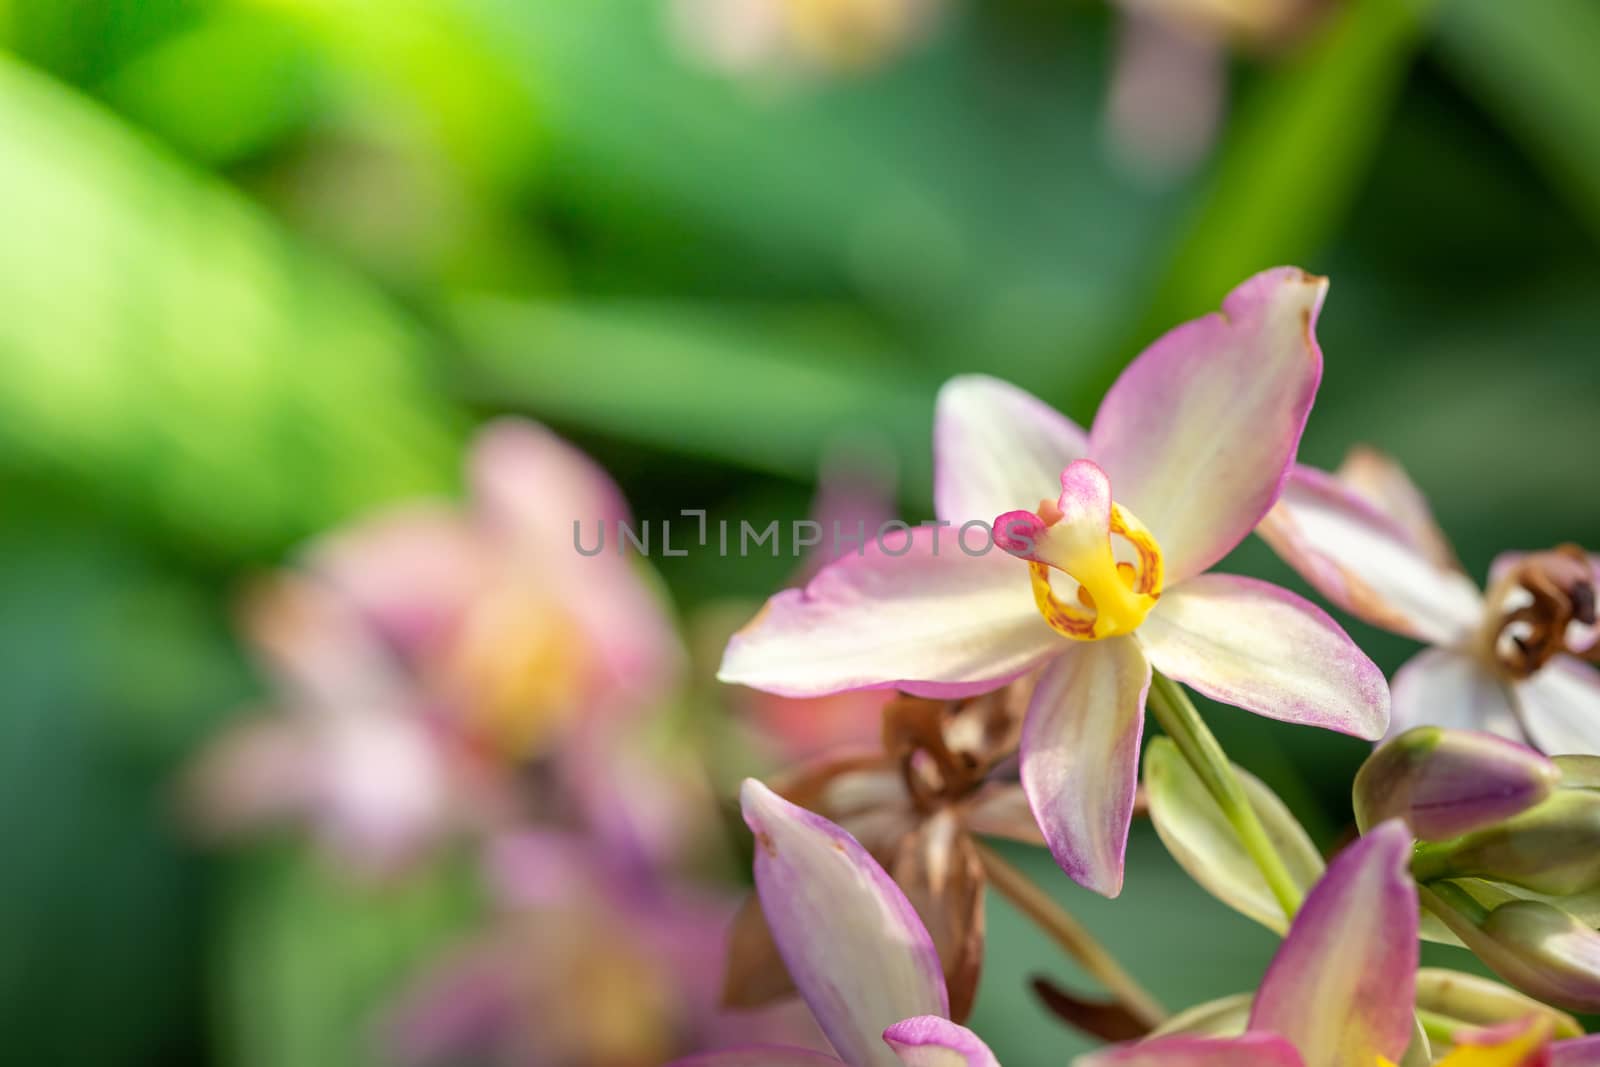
pixel 1071 935
pixel 1181 720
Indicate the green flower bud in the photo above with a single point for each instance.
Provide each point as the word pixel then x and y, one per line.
pixel 1474 1001
pixel 1553 848
pixel 1538 948
pixel 1444 783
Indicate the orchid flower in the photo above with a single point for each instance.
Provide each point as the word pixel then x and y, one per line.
pixel 916 805
pixel 1502 661
pixel 418 654
pixel 1187 453
pixel 861 959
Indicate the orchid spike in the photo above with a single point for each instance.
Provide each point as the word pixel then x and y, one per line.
pixel 1103 580
pixel 861 959
pixel 1506 661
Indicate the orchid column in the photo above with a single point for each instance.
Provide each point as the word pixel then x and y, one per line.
pixel 1100 578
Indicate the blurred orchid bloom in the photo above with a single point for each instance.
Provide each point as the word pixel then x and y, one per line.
pixel 1505 661
pixel 915 806
pixel 422 651
pixel 1169 80
pixel 589 963
pixel 818 36
pixel 862 960
pixel 1340 989
pixel 1196 437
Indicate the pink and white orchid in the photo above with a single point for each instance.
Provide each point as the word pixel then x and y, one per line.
pixel 419 654
pixel 1188 451
pixel 1365 538
pixel 861 959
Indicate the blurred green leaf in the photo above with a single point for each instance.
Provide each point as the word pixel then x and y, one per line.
pixel 766 392
pixel 1532 65
pixel 262 80
pixel 1295 154
pixel 960 189
pixel 112 668
pixel 310 963
pixel 170 355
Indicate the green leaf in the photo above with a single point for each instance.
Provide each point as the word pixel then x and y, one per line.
pixel 1296 152
pixel 762 392
pixel 171 356
pixel 1532 65
pixel 1195 831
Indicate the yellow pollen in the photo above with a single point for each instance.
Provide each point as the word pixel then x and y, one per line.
pixel 1114 596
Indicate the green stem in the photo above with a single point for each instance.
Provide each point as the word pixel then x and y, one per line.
pixel 1181 720
pixel 1453 897
pixel 1073 937
pixel 1431 861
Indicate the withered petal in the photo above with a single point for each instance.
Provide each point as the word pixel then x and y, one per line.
pixel 953 912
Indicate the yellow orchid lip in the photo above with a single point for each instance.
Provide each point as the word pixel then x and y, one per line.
pixel 1073 535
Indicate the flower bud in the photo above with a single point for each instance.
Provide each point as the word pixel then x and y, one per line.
pixel 1444 783
pixel 1473 1001
pixel 1578 772
pixel 1538 948
pixel 1552 849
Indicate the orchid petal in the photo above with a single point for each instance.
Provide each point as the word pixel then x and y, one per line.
pixel 411 573
pixel 1560 705
pixel 1000 809
pixel 539 496
pixel 1259 647
pixel 1200 430
pixel 758 1056
pixel 933 622
pixel 996 447
pixel 1520 1043
pixel 1181 1050
pixel 1442 687
pixel 1341 985
pixel 1080 756
pixel 1367 563
pixel 929 1041
pixel 1383 483
pixel 529 482
pixel 1580 1052
pixel 856 949
pixel 1204 843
